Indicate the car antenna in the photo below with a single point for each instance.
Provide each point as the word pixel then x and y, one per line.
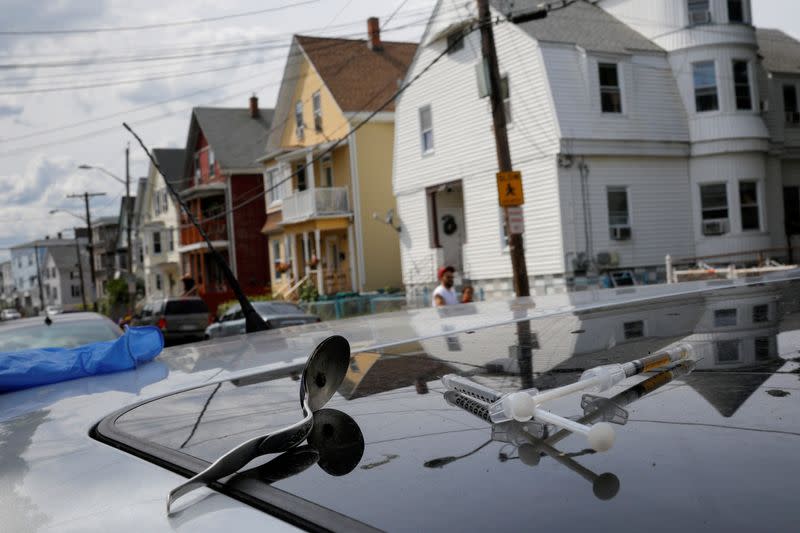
pixel 253 321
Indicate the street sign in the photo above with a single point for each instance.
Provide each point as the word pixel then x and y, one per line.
pixel 509 188
pixel 516 222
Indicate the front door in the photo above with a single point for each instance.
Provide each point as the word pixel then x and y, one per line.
pixel 451 235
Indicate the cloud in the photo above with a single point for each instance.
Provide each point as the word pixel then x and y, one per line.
pixel 10 110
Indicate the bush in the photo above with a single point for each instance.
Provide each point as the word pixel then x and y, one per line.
pixel 308 292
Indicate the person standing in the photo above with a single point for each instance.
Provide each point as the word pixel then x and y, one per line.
pixel 467 295
pixel 444 294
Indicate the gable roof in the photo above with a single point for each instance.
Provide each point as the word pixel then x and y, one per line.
pixel 171 162
pixel 237 139
pixel 64 257
pixel 580 23
pixel 780 52
pixel 360 79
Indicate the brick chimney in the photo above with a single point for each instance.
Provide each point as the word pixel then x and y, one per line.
pixel 374 34
pixel 254 113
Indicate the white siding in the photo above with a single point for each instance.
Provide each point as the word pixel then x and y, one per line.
pixel 652 109
pixel 464 149
pixel 660 216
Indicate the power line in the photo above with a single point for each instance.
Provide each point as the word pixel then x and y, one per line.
pixel 158 25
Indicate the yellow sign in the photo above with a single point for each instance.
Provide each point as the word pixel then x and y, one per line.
pixel 509 188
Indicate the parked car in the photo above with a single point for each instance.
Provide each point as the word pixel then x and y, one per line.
pixel 714 449
pixel 63 331
pixel 181 319
pixel 9 314
pixel 51 310
pixel 275 314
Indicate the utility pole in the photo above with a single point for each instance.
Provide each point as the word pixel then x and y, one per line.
pixel 127 207
pixel 39 276
pixel 515 244
pixel 80 269
pixel 90 247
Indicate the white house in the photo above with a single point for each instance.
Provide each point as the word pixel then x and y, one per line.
pixel 641 128
pixel 158 233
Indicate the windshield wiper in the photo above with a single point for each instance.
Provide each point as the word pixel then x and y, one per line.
pixel 253 321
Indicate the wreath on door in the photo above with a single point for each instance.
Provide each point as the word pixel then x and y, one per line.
pixel 449 225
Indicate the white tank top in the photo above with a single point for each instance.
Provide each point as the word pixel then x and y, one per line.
pixel 448 295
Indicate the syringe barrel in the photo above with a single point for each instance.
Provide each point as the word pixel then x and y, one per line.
pixel 678 352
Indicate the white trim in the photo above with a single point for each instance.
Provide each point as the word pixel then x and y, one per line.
pixel 357 210
pixel 231 229
pixel 199 245
pixel 360 116
pixel 625 148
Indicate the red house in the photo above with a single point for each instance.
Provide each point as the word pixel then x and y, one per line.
pixel 224 186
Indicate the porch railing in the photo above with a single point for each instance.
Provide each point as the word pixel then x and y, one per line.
pixel 316 202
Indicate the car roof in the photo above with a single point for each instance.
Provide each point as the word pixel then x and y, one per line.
pixel 64 317
pixel 686 446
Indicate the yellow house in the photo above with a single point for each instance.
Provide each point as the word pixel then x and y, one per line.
pixel 329 194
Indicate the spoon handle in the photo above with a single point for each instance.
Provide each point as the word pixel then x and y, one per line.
pixel 226 465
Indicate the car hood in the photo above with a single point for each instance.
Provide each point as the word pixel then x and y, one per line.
pixel 702 448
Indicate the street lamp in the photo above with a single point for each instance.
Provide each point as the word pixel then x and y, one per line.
pixel 104 171
pixel 54 211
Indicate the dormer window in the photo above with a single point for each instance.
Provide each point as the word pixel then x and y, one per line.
pixel 197 172
pixel 699 12
pixel 610 93
pixel 212 162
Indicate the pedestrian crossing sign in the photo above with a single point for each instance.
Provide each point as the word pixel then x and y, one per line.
pixel 509 188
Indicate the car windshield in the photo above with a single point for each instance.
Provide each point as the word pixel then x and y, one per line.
pixel 59 334
pixel 186 307
pixel 277 308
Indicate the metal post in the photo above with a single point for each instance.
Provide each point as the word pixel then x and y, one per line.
pixel 39 277
pixel 127 207
pixel 80 269
pixel 515 244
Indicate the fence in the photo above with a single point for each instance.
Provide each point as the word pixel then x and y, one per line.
pixel 350 306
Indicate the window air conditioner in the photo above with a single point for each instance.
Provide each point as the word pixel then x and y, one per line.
pixel 700 17
pixel 715 227
pixel 620 233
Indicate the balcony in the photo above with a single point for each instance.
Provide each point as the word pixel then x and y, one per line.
pixel 216 230
pixel 318 202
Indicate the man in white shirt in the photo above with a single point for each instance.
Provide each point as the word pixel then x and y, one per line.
pixel 444 294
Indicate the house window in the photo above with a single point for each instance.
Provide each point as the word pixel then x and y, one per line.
pixel 156 242
pixel 618 214
pixel 741 84
pixel 724 318
pixel 276 257
pixel 426 129
pixel 327 171
pixel 455 42
pixel 75 290
pixel 273 187
pixel 762 348
pixel 790 104
pixel 727 352
pixel 158 282
pixel 505 89
pixel 705 87
pixel 316 101
pixel 55 293
pixel 30 260
pixel 610 94
pixel 714 207
pixel 212 162
pixel 760 313
pixel 53 272
pixel 301 177
pixel 736 11
pixel 298 119
pixel 171 240
pixel 197 171
pixel 748 201
pixel 633 330
pixel 698 12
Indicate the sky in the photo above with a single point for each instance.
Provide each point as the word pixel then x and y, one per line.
pixel 66 88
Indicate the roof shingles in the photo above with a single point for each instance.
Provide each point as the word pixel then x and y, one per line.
pixel 360 79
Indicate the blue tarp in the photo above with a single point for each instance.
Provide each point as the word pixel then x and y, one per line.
pixel 40 366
